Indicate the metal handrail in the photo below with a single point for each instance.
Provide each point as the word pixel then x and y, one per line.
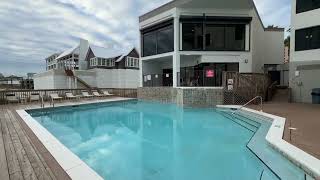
pixel 261 103
pixel 52 102
pixel 42 102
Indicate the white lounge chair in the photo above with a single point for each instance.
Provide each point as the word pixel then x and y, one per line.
pixel 12 98
pixel 69 95
pixel 107 93
pixel 86 94
pixel 97 94
pixel 34 97
pixel 55 96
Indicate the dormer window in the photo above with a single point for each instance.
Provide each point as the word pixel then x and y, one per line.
pixel 132 62
pixel 102 62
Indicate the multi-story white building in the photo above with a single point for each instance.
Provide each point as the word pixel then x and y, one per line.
pixel 305 49
pixel 87 65
pixel 51 62
pixel 188 42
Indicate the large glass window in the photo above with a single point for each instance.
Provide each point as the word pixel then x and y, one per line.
pixel 165 40
pixel 307 5
pixel 149 44
pixel 234 37
pixel 215 37
pixel 192 36
pixel 315 38
pixel 157 40
pixel 307 39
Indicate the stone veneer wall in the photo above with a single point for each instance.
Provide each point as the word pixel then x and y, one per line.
pixel 186 97
pixel 159 94
pixel 200 97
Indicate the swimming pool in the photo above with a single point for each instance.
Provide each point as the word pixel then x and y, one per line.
pixel 141 140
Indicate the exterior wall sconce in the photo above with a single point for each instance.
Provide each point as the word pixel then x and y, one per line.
pixel 246 61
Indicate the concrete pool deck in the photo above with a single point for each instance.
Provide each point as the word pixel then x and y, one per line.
pixel 302 127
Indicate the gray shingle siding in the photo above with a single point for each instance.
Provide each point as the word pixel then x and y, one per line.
pixel 122 64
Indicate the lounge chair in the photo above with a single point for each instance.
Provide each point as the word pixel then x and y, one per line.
pixel 86 94
pixel 34 97
pixel 97 94
pixel 107 93
pixel 12 98
pixel 55 96
pixel 69 95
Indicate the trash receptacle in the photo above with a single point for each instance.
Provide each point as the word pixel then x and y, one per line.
pixel 315 96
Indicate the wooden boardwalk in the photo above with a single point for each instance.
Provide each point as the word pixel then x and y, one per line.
pixel 22 155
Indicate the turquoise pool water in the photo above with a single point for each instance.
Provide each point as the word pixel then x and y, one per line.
pixel 137 140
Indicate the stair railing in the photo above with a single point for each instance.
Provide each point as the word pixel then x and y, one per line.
pixel 257 97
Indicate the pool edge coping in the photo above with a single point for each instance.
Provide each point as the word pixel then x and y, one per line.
pixel 76 168
pixel 307 162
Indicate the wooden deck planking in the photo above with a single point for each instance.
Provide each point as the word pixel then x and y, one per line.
pixel 4 174
pixel 25 165
pixel 19 157
pixel 12 160
pixel 39 168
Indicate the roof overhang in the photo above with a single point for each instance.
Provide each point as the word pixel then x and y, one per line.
pixel 200 4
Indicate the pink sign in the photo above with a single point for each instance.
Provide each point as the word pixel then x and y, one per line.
pixel 209 73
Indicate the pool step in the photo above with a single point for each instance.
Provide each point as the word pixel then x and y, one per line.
pixel 248 119
pixel 241 121
pixel 266 176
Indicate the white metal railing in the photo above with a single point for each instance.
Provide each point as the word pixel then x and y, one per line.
pixel 42 102
pixel 52 102
pixel 257 97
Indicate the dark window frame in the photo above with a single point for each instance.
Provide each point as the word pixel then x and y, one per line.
pixel 202 36
pixel 304 39
pixel 156 30
pixel 306 5
pixel 205 36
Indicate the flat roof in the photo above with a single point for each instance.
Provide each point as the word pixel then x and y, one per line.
pixel 175 3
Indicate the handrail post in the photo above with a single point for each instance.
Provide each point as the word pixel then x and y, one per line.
pixel 261 104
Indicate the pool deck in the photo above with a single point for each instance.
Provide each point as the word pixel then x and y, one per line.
pixel 22 155
pixel 304 122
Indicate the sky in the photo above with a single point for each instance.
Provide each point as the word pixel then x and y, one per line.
pixel 31 30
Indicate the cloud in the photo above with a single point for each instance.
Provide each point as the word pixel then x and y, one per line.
pixel 32 30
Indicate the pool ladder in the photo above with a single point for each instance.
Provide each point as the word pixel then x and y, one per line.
pixel 257 97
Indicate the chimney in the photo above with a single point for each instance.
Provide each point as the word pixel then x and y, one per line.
pixel 83 50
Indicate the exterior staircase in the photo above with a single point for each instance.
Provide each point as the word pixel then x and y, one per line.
pixel 70 73
pixel 281 95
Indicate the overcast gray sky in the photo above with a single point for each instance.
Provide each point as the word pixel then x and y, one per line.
pixel 30 30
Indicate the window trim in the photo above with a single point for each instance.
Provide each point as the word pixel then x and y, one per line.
pixel 94 62
pixel 132 62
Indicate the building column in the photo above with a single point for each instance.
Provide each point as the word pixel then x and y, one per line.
pixel 176 54
pixel 140 73
pixel 176 69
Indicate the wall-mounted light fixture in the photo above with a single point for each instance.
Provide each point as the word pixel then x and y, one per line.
pixel 246 61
